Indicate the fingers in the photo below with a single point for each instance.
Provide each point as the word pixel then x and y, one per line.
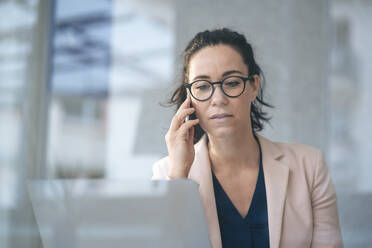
pixel 181 128
pixel 187 129
pixel 180 116
pixel 186 103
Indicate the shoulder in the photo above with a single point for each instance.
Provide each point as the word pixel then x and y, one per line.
pixel 292 152
pixel 300 152
pixel 304 162
pixel 302 156
pixel 160 169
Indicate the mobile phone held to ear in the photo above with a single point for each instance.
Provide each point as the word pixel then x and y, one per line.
pixel 188 116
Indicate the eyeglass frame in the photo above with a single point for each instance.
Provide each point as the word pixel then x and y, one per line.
pixel 245 79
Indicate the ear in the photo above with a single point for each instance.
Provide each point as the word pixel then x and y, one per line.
pixel 255 87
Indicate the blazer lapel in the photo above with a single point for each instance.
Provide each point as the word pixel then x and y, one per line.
pixel 276 180
pixel 201 173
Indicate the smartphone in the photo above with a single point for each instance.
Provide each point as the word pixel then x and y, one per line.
pixel 188 116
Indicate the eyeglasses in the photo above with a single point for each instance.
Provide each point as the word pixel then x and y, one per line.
pixel 232 86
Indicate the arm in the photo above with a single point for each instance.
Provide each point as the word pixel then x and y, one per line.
pixel 326 227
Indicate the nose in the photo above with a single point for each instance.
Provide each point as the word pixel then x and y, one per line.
pixel 218 97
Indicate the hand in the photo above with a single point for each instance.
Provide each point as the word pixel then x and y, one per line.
pixel 179 140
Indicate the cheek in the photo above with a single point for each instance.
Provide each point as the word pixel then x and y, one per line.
pixel 200 111
pixel 242 108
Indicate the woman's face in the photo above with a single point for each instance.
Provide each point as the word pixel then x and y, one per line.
pixel 222 116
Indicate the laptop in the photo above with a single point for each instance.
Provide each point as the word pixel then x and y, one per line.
pixel 126 213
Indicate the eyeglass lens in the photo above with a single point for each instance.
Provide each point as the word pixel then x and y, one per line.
pixel 232 86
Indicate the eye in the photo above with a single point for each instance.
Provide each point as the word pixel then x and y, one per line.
pixel 201 86
pixel 232 84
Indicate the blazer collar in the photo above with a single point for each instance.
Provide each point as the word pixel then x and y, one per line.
pixel 276 178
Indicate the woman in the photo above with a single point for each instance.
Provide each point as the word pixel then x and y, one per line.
pixel 255 192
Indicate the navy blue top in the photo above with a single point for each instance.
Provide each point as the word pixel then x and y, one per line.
pixel 250 231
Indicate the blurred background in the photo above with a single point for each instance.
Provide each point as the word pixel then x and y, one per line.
pixel 81 84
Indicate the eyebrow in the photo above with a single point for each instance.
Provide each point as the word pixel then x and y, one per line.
pixel 225 74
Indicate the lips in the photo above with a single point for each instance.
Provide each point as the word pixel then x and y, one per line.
pixel 220 116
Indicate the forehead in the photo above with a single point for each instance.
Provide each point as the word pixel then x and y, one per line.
pixel 213 61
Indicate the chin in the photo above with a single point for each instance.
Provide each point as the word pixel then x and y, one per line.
pixel 222 132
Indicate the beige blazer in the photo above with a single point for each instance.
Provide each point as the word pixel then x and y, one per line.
pixel 301 200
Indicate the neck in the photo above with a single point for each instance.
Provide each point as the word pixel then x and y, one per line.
pixel 234 153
